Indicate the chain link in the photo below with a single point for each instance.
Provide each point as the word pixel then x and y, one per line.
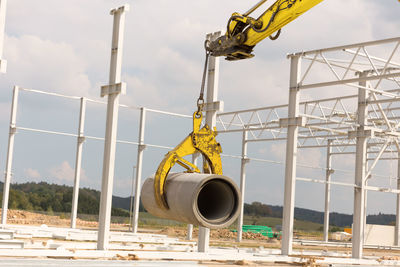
pixel 200 100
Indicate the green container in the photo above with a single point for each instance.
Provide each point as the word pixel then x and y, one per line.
pixel 258 229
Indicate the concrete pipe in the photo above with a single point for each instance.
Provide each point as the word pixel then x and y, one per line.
pixel 206 200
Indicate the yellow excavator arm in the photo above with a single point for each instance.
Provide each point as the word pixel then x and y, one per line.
pixel 244 32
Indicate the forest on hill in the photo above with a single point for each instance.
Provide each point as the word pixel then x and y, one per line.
pixel 58 198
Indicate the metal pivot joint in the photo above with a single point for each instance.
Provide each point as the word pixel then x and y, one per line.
pixel 200 140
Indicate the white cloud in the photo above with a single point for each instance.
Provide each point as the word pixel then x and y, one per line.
pixel 142 93
pixel 46 65
pixel 65 173
pixel 310 158
pixel 32 173
pixel 278 150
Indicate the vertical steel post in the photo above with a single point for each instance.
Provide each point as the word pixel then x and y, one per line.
pixel 113 91
pixel 245 160
pixel 397 228
pixel 327 189
pixel 78 162
pixel 139 164
pixel 211 120
pixel 3 8
pixel 365 200
pixel 291 156
pixel 359 191
pixel 10 152
pixel 189 235
pixel 131 200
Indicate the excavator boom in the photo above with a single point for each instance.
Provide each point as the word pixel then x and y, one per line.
pixel 244 32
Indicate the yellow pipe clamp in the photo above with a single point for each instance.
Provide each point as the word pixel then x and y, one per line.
pixel 200 140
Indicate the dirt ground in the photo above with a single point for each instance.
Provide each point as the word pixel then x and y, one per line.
pixel 220 237
pixel 31 218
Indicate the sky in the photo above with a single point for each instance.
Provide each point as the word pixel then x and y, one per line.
pixel 64 47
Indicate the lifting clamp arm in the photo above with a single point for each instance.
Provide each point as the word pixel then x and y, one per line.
pixel 200 140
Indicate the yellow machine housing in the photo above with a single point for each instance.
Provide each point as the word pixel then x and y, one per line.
pixel 244 32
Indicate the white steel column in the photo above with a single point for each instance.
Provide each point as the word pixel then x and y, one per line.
pixel 397 228
pixel 365 199
pixel 10 152
pixel 3 8
pixel 329 172
pixel 245 160
pixel 211 120
pixel 359 191
pixel 139 164
pixel 291 156
pixel 78 163
pixel 189 235
pixel 113 91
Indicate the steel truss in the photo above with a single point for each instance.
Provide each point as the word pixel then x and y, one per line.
pixel 366 123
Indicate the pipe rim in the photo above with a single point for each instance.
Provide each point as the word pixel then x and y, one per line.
pixel 227 219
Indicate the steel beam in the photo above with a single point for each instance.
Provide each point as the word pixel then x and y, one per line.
pixel 360 171
pixel 211 120
pixel 10 153
pixel 343 47
pixel 245 160
pixel 397 228
pixel 139 167
pixel 189 235
pixel 113 91
pixel 291 157
pixel 78 162
pixel 328 175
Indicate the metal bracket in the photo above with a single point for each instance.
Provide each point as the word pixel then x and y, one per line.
pixel 367 133
pixel 297 87
pixel 330 171
pixel 142 147
pixel 245 160
pixel 81 139
pixel 13 130
pixel 214 106
pixel 298 121
pixel 120 9
pixel 118 88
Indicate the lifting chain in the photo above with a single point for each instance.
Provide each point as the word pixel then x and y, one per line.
pixel 200 100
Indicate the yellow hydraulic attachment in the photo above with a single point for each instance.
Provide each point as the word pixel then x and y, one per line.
pixel 200 140
pixel 244 32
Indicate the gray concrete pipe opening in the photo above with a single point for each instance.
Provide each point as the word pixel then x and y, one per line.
pixel 206 200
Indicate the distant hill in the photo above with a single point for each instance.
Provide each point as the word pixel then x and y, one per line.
pixel 51 197
pixel 335 219
pixel 58 198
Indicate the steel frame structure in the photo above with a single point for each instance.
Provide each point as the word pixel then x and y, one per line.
pixel 113 91
pixel 363 124
pixel 366 123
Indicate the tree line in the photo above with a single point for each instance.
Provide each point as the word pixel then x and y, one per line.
pixel 335 219
pixel 58 198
